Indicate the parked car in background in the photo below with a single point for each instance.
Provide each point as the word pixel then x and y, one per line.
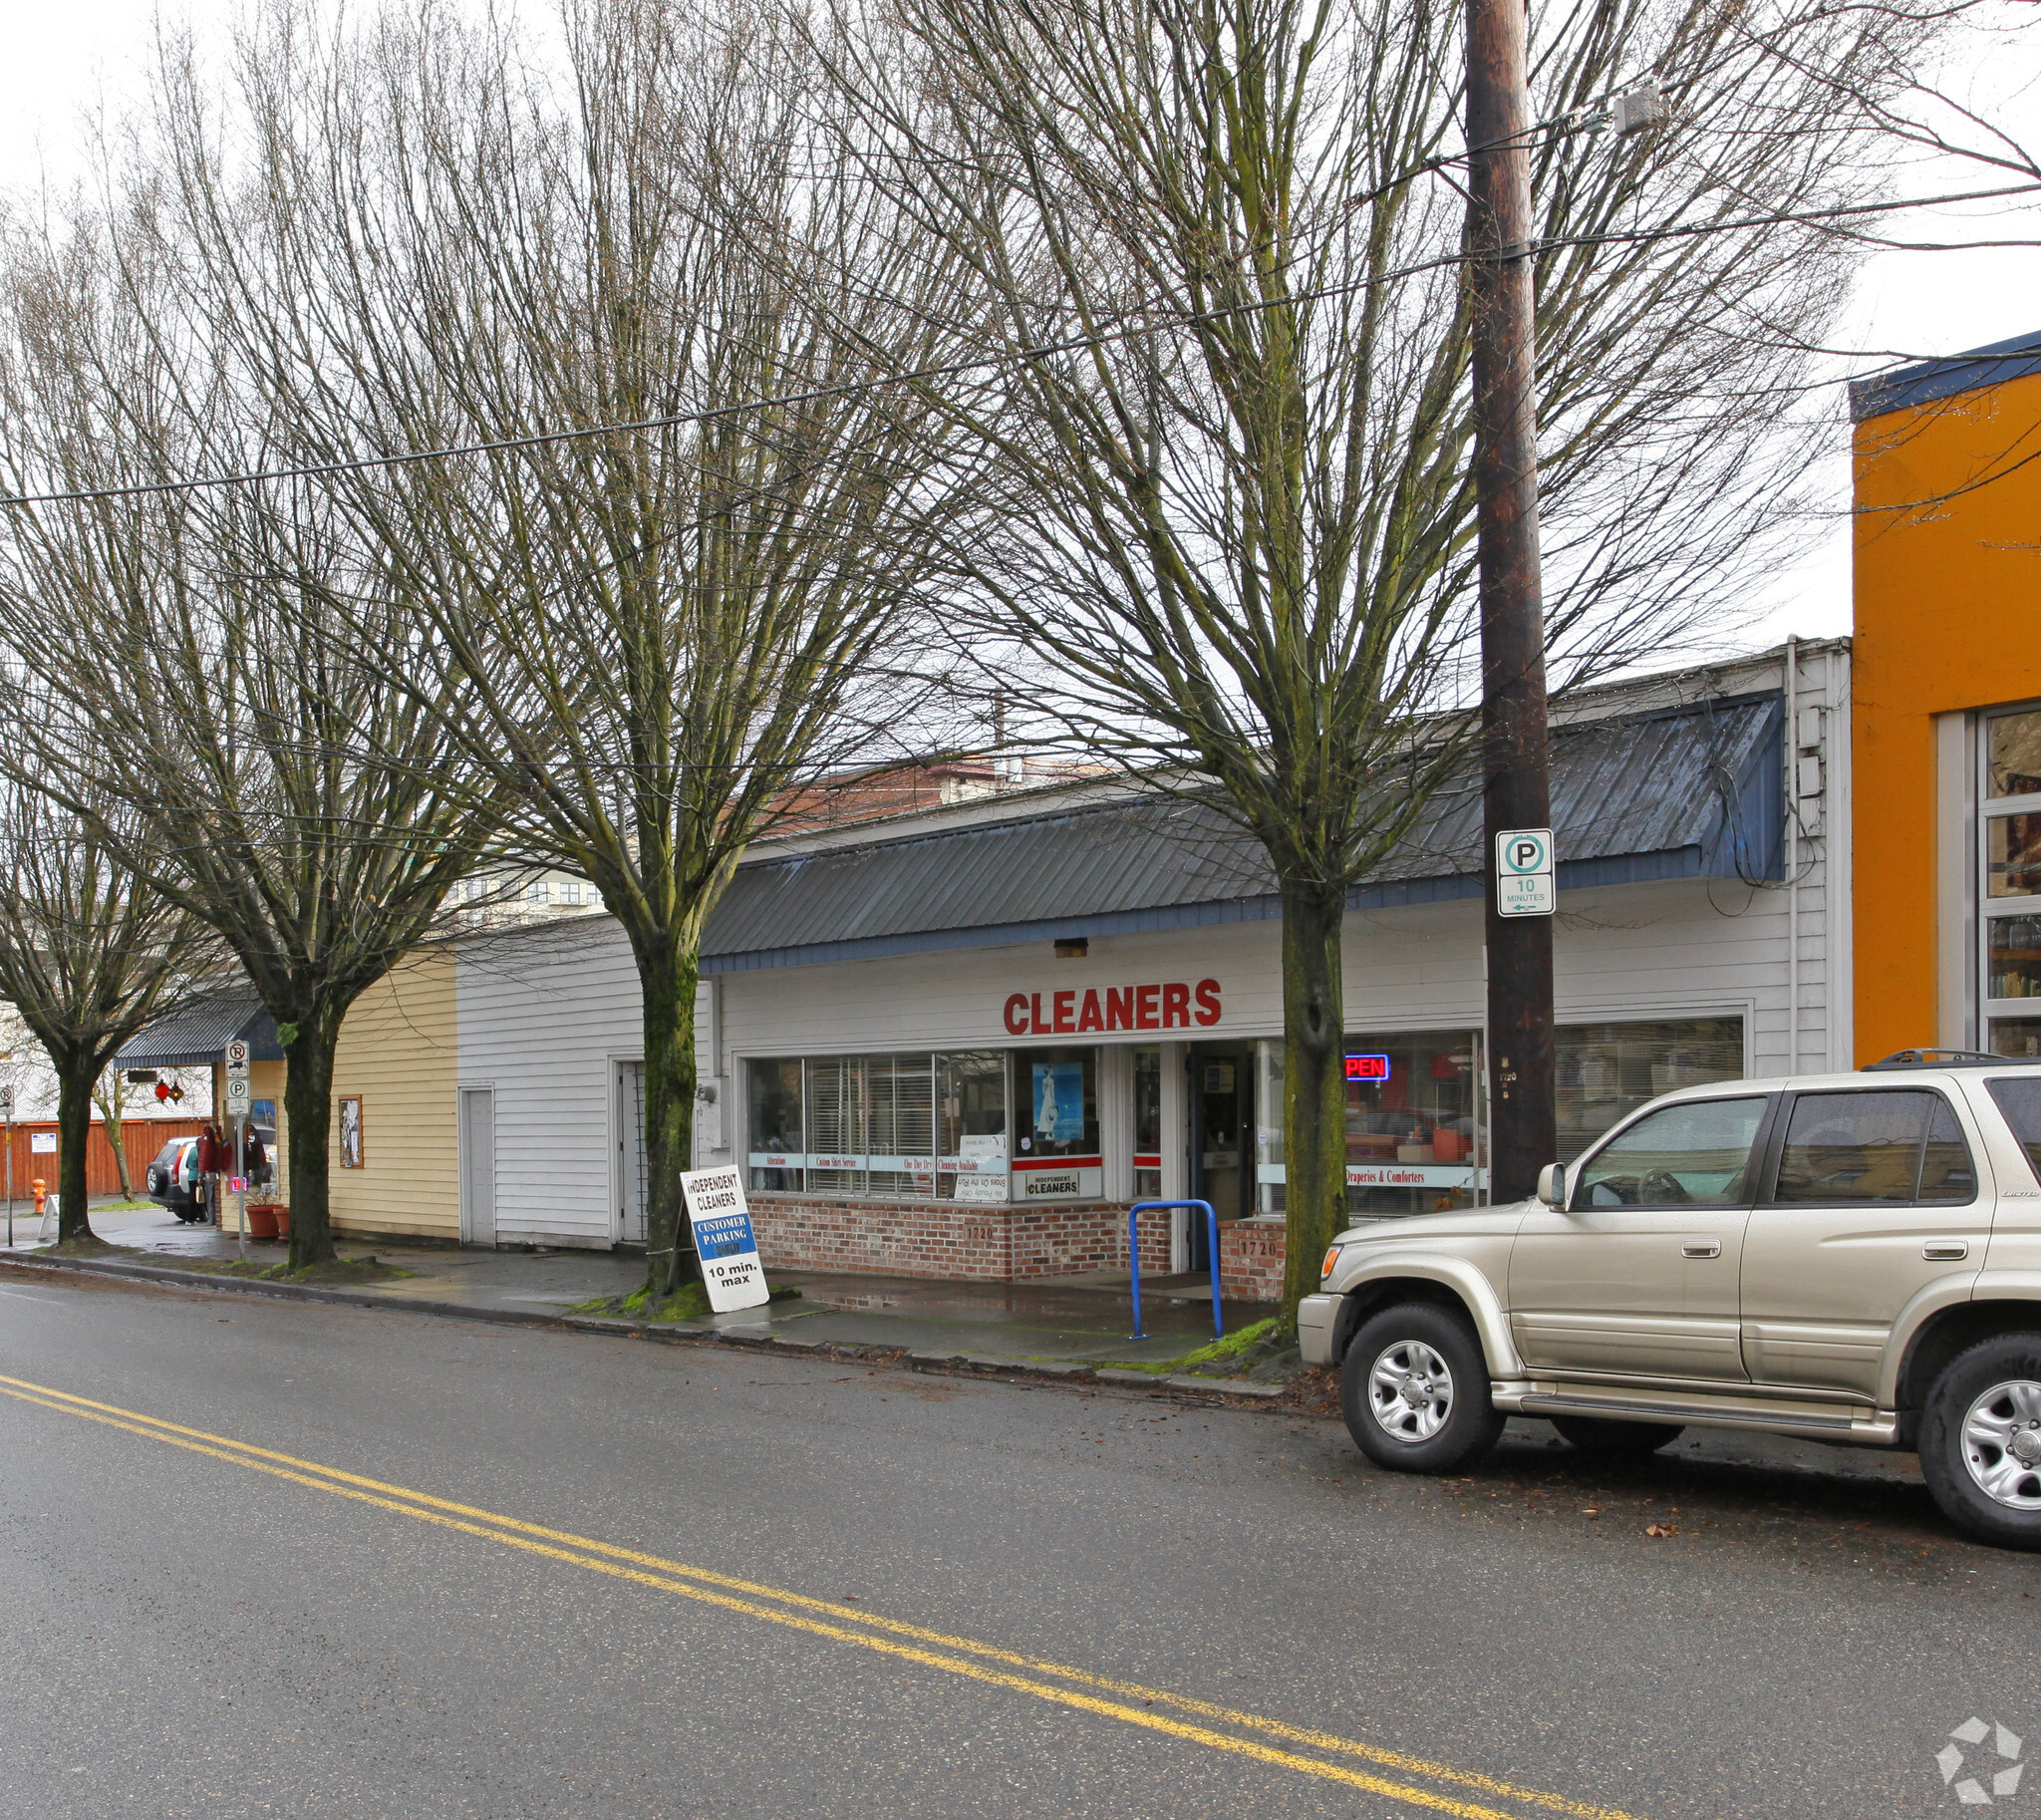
pixel 1850 1258
pixel 174 1180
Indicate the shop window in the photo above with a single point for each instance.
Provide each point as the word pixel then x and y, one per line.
pixel 1414 1123
pixel 1413 1110
pixel 1147 1123
pixel 971 1099
pixel 942 1125
pixel 778 1142
pixel 1055 1140
pixel 2010 885
pixel 2012 754
pixel 2016 1037
pixel 1606 1071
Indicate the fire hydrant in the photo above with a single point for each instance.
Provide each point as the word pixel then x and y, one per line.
pixel 35 1188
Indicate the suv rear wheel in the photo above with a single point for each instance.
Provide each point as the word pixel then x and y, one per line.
pixel 1416 1392
pixel 1591 1435
pixel 1980 1440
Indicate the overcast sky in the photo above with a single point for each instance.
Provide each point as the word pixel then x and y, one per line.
pixel 63 57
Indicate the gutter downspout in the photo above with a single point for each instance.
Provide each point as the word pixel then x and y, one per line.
pixel 1790 770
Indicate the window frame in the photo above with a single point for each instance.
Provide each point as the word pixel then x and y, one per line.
pixel 1782 1118
pixel 1986 908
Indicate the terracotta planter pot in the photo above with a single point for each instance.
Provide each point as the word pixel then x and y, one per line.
pixel 283 1220
pixel 262 1220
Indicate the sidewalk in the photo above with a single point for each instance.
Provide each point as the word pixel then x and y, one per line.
pixel 1081 1320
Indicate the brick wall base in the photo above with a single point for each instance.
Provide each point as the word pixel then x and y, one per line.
pixel 1251 1255
pixel 969 1243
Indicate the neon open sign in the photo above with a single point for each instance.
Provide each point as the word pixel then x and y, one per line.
pixel 1367 1068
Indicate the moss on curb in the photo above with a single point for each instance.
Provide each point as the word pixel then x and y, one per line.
pixel 688 1303
pixel 1216 1352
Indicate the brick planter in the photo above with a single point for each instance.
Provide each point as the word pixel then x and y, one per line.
pixel 968 1243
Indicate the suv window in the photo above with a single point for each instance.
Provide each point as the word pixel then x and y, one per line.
pixel 2019 1099
pixel 1889 1147
pixel 1697 1151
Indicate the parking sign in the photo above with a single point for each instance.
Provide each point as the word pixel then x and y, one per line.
pixel 1523 873
pixel 237 1096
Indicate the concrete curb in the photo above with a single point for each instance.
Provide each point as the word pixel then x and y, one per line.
pixel 952 1364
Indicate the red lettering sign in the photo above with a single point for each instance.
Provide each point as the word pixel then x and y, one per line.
pixel 1167 1004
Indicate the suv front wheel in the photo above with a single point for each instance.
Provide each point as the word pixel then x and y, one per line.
pixel 1980 1440
pixel 1415 1391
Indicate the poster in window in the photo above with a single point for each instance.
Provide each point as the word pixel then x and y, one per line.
pixel 1059 1102
pixel 351 1132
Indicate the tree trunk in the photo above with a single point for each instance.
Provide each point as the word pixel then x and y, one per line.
pixel 667 973
pixel 74 1128
pixel 308 1111
pixel 110 1117
pixel 1314 1084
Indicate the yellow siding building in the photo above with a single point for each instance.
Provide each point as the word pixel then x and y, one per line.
pixel 395 1164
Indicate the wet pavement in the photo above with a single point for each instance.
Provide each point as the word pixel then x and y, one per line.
pixel 1086 1318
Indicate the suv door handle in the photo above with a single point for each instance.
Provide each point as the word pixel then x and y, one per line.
pixel 1701 1248
pixel 1947 1248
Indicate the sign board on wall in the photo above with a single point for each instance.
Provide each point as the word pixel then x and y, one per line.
pixel 42 1141
pixel 720 1221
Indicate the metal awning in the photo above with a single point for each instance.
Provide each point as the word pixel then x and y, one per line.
pixel 1684 792
pixel 197 1035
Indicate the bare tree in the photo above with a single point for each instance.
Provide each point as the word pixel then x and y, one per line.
pixel 206 649
pixel 1226 240
pixel 666 628
pixel 88 954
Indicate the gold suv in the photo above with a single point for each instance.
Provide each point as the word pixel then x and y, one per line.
pixel 1851 1258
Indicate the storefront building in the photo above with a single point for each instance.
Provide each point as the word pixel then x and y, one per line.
pixel 1947 711
pixel 961 1042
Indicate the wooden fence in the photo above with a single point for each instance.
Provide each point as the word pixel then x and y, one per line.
pixel 142 1138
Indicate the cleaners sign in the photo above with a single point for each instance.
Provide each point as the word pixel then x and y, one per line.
pixel 729 1249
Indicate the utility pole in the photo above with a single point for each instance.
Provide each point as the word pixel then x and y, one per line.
pixel 1516 780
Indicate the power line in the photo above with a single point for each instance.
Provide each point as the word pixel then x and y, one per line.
pixel 1572 120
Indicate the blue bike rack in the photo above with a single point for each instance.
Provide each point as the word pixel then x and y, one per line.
pixel 1134 1256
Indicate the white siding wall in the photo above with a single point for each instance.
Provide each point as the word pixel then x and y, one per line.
pixel 1689 947
pixel 544 1013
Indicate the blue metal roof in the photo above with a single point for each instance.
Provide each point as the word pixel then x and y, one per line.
pixel 1682 792
pixel 1929 380
pixel 197 1035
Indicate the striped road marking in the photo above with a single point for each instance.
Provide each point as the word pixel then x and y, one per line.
pixel 962 1655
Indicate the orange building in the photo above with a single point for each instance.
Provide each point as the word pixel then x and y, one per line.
pixel 1946 717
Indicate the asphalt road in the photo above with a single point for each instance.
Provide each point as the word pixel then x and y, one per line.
pixel 287 1559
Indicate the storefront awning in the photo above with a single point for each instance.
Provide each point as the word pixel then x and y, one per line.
pixel 1687 792
pixel 196 1034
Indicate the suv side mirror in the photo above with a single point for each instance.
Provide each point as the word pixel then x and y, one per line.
pixel 1551 1185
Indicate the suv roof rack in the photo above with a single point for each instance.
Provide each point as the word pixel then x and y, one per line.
pixel 1947 1058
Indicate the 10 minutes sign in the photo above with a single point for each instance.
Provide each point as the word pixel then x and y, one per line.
pixel 729 1249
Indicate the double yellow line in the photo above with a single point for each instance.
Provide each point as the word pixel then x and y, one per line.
pixel 1048 1680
